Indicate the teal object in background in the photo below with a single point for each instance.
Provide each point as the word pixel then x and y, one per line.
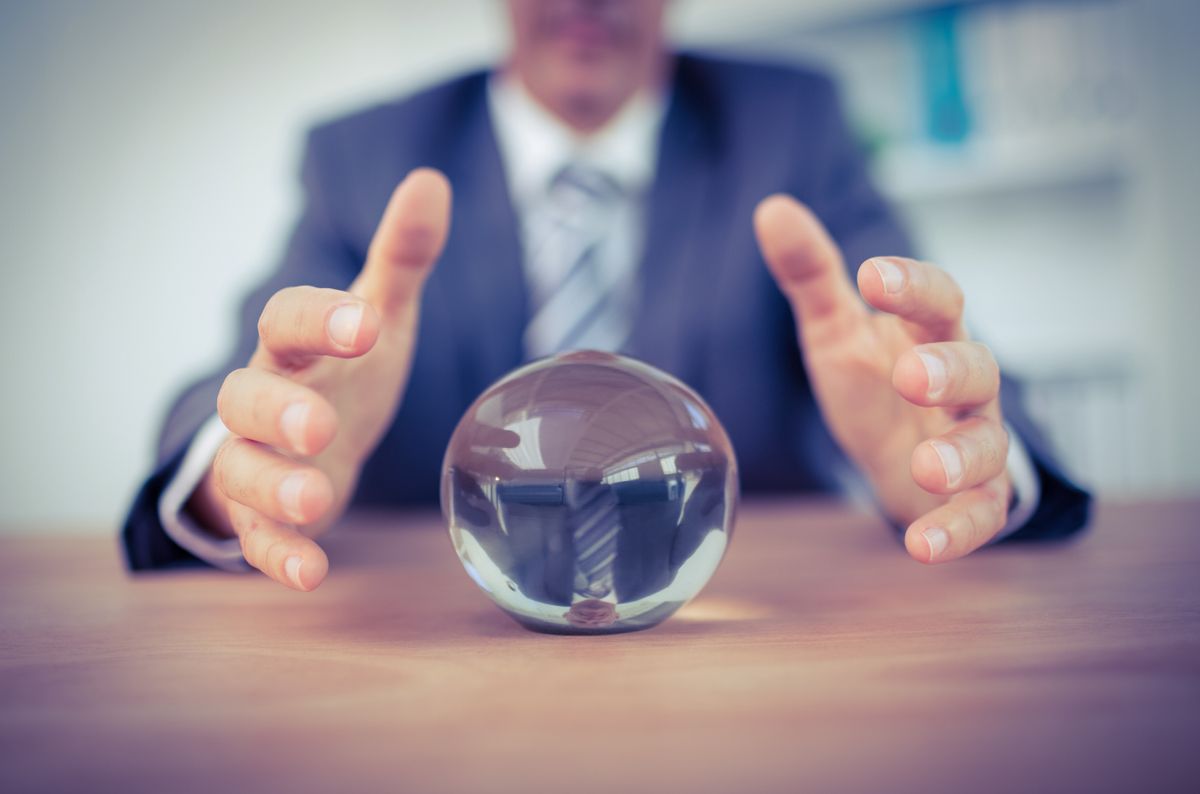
pixel 947 117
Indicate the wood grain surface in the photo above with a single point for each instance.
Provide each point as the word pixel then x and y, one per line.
pixel 820 658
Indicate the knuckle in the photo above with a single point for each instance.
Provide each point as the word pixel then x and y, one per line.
pixel 986 354
pixel 262 405
pixel 958 367
pixel 287 303
pixel 957 302
pixel 272 559
pixel 1000 500
pixel 267 319
pixel 252 540
pixel 983 520
pixel 227 395
pixel 996 514
pixel 954 295
pixel 973 371
pixel 969 523
pixel 220 465
pixel 231 479
pixel 983 448
pixel 972 519
pixel 301 318
pixel 309 316
pixel 989 368
pixel 993 443
pixel 991 458
pixel 223 398
pixel 247 540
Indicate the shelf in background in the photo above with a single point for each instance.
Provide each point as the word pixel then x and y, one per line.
pixel 707 21
pixel 928 172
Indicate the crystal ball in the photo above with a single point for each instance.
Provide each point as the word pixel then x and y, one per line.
pixel 589 493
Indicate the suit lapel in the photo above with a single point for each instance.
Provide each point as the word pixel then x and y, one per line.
pixel 482 280
pixel 673 259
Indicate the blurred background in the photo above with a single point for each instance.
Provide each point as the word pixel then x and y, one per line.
pixel 1044 151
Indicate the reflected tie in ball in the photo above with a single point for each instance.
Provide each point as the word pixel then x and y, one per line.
pixel 589 493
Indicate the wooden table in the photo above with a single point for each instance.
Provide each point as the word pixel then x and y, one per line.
pixel 820 658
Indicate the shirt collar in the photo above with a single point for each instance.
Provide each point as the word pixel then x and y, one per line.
pixel 535 145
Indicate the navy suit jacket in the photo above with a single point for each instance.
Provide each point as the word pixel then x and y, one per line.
pixel 709 311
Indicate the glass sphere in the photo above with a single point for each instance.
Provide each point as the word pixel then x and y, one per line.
pixel 589 493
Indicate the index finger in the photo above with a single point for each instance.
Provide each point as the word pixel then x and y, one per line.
pixel 923 294
pixel 301 323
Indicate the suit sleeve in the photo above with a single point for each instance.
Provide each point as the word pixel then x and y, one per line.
pixel 316 254
pixel 865 225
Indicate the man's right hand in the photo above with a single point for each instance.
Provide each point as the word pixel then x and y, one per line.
pixel 319 393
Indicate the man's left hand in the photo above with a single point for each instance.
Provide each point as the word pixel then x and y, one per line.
pixel 912 401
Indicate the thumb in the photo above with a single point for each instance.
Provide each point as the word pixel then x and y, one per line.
pixel 806 263
pixel 408 241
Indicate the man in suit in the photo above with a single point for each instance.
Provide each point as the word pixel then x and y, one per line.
pixel 358 355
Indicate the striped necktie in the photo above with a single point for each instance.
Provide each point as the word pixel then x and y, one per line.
pixel 577 301
pixel 595 522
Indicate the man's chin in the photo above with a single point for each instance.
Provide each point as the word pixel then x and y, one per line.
pixel 584 84
pixel 584 91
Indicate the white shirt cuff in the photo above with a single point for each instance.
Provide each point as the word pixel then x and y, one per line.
pixel 1026 486
pixel 225 553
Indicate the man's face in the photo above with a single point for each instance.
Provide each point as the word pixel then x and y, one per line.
pixel 585 57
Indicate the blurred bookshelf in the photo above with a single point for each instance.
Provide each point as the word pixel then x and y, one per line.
pixel 910 172
pixel 1009 135
pixel 709 21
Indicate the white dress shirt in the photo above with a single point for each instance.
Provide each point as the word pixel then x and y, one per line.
pixel 534 147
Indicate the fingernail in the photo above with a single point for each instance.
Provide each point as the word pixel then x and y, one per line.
pixel 291 491
pixel 293 420
pixel 343 324
pixel 938 539
pixel 292 567
pixel 951 461
pixel 935 374
pixel 891 274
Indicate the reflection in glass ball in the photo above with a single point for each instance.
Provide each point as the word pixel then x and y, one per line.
pixel 589 493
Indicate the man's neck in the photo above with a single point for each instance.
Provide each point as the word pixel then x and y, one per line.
pixel 586 114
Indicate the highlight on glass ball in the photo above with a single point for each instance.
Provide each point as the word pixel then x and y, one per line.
pixel 589 493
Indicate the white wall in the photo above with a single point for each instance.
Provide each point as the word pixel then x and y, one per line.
pixel 1167 273
pixel 147 158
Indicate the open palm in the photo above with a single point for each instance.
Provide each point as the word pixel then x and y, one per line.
pixel 911 400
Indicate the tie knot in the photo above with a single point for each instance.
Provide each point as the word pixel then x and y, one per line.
pixel 583 184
